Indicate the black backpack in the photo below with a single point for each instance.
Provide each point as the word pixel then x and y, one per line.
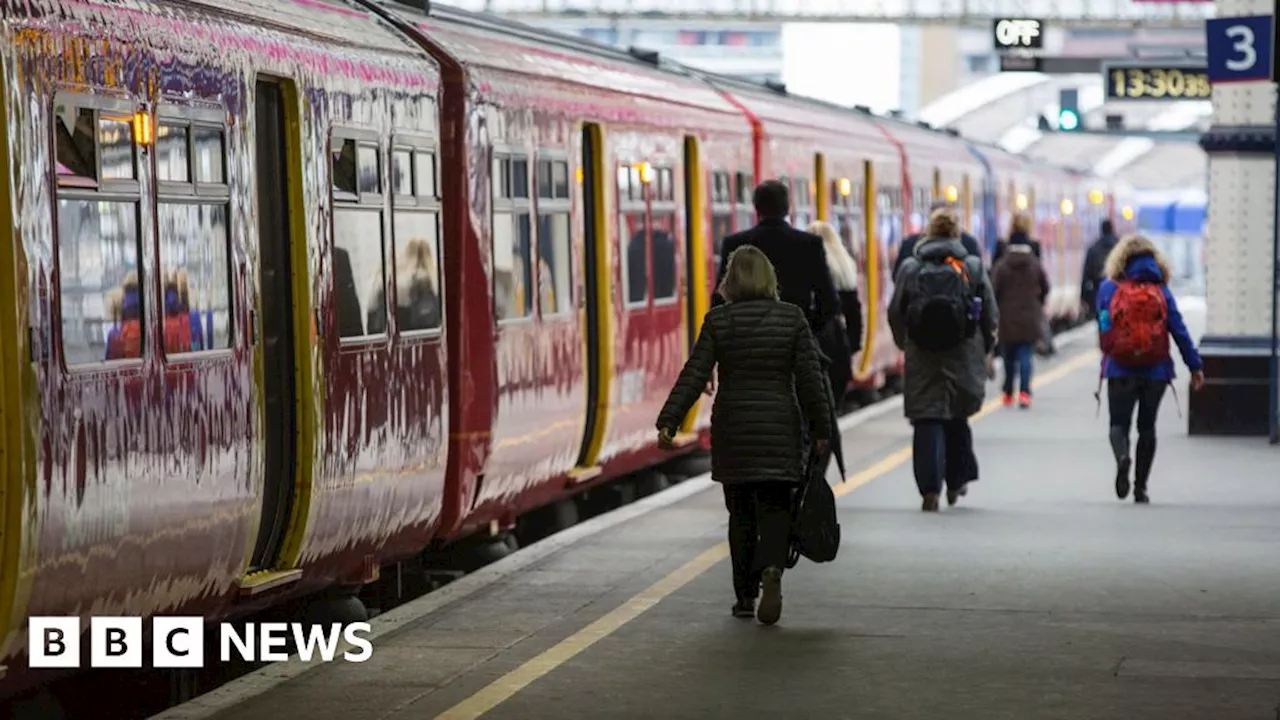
pixel 939 316
pixel 815 530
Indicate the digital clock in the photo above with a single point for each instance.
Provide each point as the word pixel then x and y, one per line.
pixel 1157 82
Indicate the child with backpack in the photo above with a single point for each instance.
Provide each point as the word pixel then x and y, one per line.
pixel 943 316
pixel 1136 315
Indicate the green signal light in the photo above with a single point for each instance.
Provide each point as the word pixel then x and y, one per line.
pixel 1068 120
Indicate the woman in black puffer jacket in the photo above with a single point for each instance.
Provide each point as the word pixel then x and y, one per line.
pixel 768 371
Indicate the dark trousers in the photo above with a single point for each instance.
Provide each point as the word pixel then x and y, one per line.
pixel 942 453
pixel 1123 396
pixel 1017 358
pixel 759 531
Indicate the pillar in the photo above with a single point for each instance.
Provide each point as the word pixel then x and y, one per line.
pixel 1236 347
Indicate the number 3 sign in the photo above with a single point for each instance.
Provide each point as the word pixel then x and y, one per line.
pixel 1241 49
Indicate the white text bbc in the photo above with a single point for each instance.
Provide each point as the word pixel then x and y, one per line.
pixel 178 642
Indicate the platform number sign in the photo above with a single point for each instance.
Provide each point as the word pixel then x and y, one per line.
pixel 1241 49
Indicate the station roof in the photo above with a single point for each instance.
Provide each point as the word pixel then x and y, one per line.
pixel 1005 109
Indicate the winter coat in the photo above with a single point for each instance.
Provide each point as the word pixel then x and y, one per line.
pixel 908 249
pixel 1092 276
pixel 768 371
pixel 799 259
pixel 1020 286
pixel 1141 265
pixel 951 384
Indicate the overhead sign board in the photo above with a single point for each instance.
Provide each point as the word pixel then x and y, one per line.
pixel 1156 81
pixel 1018 34
pixel 1241 49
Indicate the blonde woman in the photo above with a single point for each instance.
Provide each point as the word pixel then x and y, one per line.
pixel 943 315
pixel 766 358
pixel 842 338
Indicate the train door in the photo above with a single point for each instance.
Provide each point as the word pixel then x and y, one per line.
pixel 595 295
pixel 275 186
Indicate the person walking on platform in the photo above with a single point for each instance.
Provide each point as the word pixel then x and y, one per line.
pixel 907 249
pixel 1094 262
pixel 943 315
pixel 1020 286
pixel 770 382
pixel 841 339
pixel 1136 315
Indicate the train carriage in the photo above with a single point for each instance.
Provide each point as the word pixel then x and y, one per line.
pixel 293 290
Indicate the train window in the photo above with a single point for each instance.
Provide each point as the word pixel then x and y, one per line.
pixel 76 140
pixel 720 194
pixel 173 156
pixel 211 157
pixel 512 267
pixel 359 238
pixel 666 185
pixel 512 242
pixel 501 175
pixel 102 294
pixel 554 264
pixel 519 178
pixel 115 138
pixel 102 288
pixel 560 176
pixel 415 239
pixel 193 220
pixel 545 187
pixel 424 174
pixel 746 185
pixel 624 182
pixel 664 255
pixel 195 268
pixel 402 173
pixel 417 267
pixel 633 231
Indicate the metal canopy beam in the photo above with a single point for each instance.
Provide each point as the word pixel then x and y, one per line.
pixel 1076 13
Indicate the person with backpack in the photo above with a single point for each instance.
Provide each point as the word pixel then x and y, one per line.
pixel 1020 286
pixel 771 382
pixel 1136 315
pixel 943 315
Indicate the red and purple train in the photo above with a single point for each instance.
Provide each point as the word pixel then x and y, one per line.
pixel 293 289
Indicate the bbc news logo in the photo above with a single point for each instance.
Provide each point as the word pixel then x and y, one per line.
pixel 179 642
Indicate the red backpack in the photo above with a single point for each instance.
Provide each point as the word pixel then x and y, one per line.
pixel 1139 334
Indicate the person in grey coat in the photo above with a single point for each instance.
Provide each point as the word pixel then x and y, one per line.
pixel 771 381
pixel 942 390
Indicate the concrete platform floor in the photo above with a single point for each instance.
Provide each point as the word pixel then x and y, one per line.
pixel 1041 596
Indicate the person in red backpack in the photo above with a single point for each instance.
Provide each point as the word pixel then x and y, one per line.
pixel 1136 316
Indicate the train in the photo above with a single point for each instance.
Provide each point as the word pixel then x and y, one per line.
pixel 293 290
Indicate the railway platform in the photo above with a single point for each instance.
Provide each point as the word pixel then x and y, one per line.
pixel 1041 595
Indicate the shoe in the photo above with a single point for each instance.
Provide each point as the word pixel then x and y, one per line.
pixel 953 496
pixel 1140 496
pixel 930 503
pixel 1024 400
pixel 745 608
pixel 770 608
pixel 1006 399
pixel 1122 479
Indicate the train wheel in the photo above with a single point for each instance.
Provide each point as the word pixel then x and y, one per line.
pixel 652 482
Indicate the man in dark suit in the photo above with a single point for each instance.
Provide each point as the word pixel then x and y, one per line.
pixel 798 258
pixel 908 247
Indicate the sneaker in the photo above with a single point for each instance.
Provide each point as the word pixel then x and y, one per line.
pixel 1007 399
pixel 1122 479
pixel 1140 496
pixel 930 503
pixel 744 608
pixel 1024 400
pixel 770 608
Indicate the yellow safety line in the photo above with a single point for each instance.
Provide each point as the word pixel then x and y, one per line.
pixel 513 682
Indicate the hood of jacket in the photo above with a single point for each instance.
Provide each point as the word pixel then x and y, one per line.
pixel 1136 258
pixel 1019 256
pixel 938 248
